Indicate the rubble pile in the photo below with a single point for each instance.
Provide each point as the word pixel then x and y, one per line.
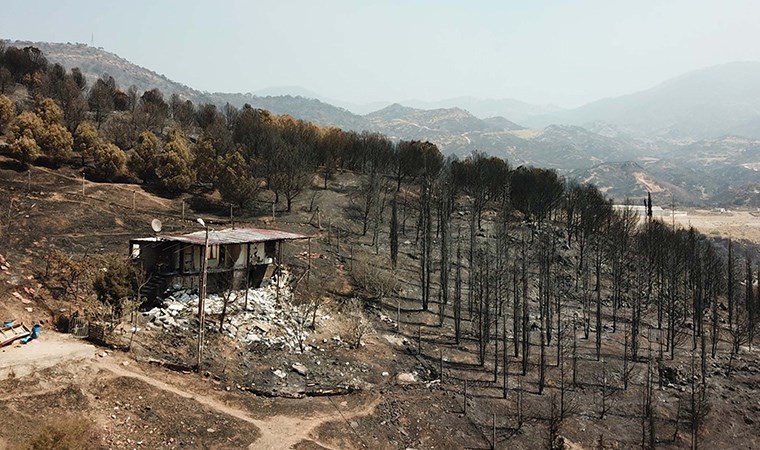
pixel 270 318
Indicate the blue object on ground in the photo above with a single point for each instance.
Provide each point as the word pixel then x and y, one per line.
pixel 8 323
pixel 33 335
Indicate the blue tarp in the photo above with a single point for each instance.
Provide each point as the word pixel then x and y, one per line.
pixel 33 335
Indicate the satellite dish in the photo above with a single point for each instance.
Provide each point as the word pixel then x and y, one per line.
pixel 156 225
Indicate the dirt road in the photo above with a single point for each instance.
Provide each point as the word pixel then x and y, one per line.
pixel 48 350
pixel 279 431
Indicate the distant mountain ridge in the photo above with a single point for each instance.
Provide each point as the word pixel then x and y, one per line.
pixel 600 136
pixel 516 110
pixel 706 103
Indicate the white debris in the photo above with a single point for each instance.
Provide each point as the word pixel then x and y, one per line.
pixel 270 318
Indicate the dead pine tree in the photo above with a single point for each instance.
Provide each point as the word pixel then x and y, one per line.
pixel 542 364
pixel 519 403
pixel 699 405
pixel 516 329
pixel 445 264
pixel 575 351
pixel 505 358
pixel 425 242
pixel 648 432
pixel 496 350
pixel 394 232
pixel 598 291
pixel 606 391
pixel 525 314
pixel 458 294
pixel 553 423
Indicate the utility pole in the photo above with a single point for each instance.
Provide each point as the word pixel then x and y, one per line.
pixel 202 296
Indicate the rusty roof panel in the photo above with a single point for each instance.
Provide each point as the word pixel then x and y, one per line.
pixel 234 236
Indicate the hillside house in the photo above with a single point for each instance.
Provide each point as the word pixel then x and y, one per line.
pixel 237 258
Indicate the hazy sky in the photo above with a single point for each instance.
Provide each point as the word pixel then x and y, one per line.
pixel 561 52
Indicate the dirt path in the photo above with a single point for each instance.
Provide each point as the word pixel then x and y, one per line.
pixel 277 432
pixel 49 350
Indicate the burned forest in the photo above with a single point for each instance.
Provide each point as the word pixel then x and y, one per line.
pixel 218 277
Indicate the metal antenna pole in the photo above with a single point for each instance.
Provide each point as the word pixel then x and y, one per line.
pixel 202 301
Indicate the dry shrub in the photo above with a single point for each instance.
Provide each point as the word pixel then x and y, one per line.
pixel 359 325
pixel 373 277
pixel 67 433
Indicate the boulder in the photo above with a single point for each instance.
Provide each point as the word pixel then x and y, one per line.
pixel 406 378
pixel 300 369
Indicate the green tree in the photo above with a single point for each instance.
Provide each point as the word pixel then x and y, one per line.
pixel 49 111
pixel 45 126
pixel 25 149
pixel 205 160
pixel 115 283
pixel 7 112
pixel 24 132
pixel 108 162
pixel 144 159
pixel 86 139
pixel 236 181
pixel 174 164
pixel 56 142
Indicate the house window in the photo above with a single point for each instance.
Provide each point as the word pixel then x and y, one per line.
pixel 187 260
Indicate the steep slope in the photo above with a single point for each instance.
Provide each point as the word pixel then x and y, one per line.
pixel 94 62
pixel 710 102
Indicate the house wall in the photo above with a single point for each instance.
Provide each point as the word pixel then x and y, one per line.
pixel 185 262
pixel 189 258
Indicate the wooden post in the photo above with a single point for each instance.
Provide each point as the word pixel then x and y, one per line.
pixel 338 240
pixel 29 180
pixel 493 436
pixel 134 201
pixel 351 248
pixel 398 315
pixel 308 261
pixel 278 271
pixel 83 184
pixel 419 339
pixel 519 403
pixel 273 218
pixel 440 364
pixel 231 220
pixel 247 274
pixel 183 210
pixel 465 397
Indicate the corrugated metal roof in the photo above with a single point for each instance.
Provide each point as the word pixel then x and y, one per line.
pixel 233 236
